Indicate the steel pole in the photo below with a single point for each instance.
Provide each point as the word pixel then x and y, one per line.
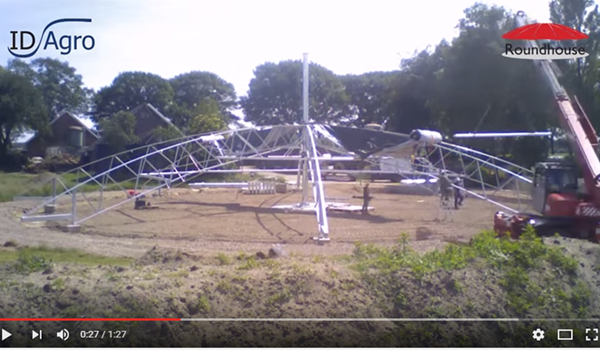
pixel 306 140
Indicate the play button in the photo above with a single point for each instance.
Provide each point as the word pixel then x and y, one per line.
pixel 5 335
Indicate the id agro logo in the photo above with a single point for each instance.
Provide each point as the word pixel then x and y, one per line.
pixel 544 32
pixel 23 43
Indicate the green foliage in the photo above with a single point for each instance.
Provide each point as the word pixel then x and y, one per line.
pixel 129 90
pixel 28 262
pixel 275 95
pixel 166 133
pixel 280 298
pixel 31 259
pixel 519 264
pixel 12 161
pixel 249 263
pixel 31 185
pixel 21 108
pixel 194 87
pixel 371 96
pixel 223 259
pixel 203 304
pixel 403 257
pixel 59 84
pixel 581 76
pixel 119 131
pixel 208 118
pixel 182 98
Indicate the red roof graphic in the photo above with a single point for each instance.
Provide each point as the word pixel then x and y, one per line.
pixel 544 31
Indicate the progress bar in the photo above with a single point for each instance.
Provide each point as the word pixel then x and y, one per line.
pixel 90 319
pixel 307 319
pixel 389 320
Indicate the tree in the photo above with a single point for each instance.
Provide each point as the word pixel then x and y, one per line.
pixel 208 118
pixel 192 88
pixel 129 90
pixel 467 86
pixel 479 90
pixel 414 91
pixel 581 76
pixel 275 95
pixel 59 84
pixel 370 96
pixel 166 133
pixel 21 108
pixel 119 131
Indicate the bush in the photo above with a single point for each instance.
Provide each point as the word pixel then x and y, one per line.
pixel 533 275
pixel 13 161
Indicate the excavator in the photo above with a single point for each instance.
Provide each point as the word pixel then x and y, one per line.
pixel 565 194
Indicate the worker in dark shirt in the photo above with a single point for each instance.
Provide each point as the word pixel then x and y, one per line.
pixel 366 199
pixel 458 194
pixel 445 186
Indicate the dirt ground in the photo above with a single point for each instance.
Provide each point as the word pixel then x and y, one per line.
pixel 194 256
pixel 229 221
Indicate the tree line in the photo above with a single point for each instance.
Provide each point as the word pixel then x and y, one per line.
pixel 459 86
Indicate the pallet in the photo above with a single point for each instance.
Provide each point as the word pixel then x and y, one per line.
pixel 349 209
pixel 147 207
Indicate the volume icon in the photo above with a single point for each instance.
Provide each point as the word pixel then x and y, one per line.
pixel 64 334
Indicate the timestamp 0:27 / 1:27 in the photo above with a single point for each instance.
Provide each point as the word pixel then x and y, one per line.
pixel 96 334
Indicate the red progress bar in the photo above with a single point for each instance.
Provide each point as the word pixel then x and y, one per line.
pixel 90 319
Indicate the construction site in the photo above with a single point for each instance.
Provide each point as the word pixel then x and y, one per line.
pixel 301 242
pixel 276 244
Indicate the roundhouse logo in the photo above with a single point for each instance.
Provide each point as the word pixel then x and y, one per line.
pixel 24 42
pixel 530 33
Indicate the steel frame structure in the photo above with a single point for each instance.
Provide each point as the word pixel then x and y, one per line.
pixel 167 164
pixel 151 168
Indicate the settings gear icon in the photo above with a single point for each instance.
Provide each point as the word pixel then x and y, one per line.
pixel 538 334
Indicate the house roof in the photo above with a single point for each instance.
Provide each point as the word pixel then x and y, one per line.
pixel 80 121
pixel 25 137
pixel 158 113
pixel 28 135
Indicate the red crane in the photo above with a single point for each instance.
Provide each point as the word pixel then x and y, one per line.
pixel 566 195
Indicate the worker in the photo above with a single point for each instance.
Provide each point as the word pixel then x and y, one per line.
pixel 458 196
pixel 366 199
pixel 445 186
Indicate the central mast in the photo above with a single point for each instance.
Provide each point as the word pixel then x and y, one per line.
pixel 306 140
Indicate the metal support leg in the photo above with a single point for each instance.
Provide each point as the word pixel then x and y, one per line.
pixel 54 191
pixel 73 227
pixel 51 208
pixel 319 191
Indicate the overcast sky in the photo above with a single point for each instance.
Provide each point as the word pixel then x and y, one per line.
pixel 232 37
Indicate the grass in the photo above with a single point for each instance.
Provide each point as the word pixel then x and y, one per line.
pixel 32 259
pixel 249 264
pixel 12 184
pixel 40 185
pixel 223 259
pixel 534 276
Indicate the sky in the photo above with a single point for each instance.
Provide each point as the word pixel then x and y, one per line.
pixel 232 37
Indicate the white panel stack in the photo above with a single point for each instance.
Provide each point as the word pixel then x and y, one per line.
pixel 261 187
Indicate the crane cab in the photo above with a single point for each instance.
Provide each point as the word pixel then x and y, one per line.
pixel 555 189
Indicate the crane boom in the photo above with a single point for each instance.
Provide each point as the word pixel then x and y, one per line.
pixel 576 124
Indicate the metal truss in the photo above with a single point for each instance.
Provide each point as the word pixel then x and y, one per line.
pixel 148 169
